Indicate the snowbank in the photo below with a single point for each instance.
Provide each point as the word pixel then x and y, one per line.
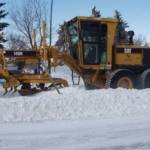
pixel 75 103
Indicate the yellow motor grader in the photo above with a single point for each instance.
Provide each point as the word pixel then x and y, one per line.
pixel 105 57
pixel 31 75
pixel 97 52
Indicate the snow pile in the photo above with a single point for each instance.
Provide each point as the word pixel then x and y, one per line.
pixel 75 103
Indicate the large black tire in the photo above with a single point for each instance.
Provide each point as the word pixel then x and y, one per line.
pixel 121 78
pixel 145 79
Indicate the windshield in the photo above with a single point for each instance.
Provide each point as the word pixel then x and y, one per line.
pixel 73 33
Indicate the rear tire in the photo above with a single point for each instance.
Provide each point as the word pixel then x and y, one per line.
pixel 123 78
pixel 145 79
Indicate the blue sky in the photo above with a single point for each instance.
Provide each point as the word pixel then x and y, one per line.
pixel 136 12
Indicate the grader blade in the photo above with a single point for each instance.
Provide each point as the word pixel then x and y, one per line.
pixel 32 91
pixel 32 84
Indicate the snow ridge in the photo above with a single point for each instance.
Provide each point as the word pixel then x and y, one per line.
pixel 75 103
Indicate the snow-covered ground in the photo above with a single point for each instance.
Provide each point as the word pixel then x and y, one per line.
pixel 76 119
pixel 106 134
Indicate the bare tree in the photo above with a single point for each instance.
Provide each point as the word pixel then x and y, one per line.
pixel 140 40
pixel 16 42
pixel 29 16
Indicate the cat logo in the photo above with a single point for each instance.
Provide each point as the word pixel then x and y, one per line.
pixel 127 50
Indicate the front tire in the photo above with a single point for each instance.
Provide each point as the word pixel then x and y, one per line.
pixel 123 78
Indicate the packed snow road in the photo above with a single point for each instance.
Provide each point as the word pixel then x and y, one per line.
pixel 107 134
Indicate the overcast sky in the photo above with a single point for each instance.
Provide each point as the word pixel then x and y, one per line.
pixel 136 12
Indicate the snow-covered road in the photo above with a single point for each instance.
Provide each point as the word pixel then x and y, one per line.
pixel 107 134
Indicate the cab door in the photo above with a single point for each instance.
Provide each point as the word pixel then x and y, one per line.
pixel 94 42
